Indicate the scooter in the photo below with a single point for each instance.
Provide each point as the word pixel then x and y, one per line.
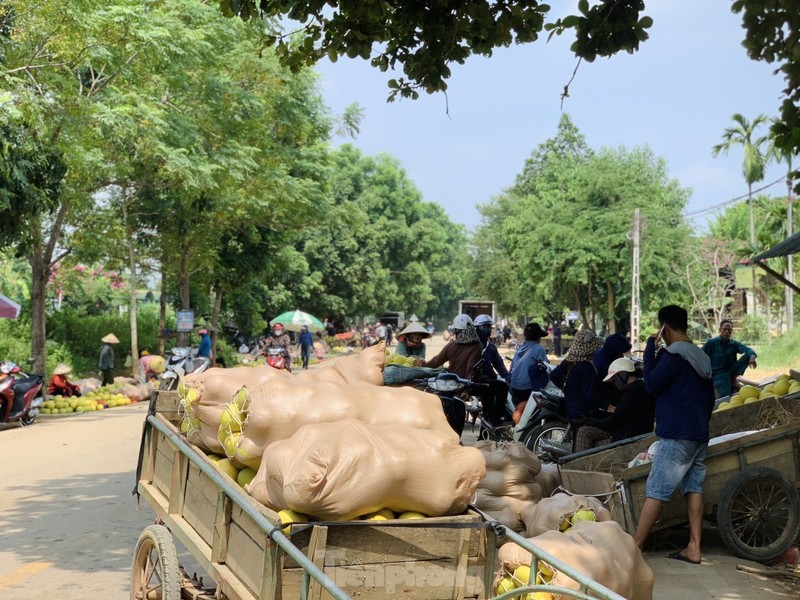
pixel 20 395
pixel 278 358
pixel 545 420
pixel 181 362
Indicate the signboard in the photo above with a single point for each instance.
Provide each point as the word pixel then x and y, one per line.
pixel 185 320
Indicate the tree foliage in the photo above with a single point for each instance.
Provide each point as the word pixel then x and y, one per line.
pixel 424 39
pixel 564 224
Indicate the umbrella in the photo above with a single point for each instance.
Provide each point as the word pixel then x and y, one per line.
pixel 8 308
pixel 295 319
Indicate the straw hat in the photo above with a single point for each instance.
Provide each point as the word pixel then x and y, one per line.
pixel 413 327
pixel 110 339
pixel 61 369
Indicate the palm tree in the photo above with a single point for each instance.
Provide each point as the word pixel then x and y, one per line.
pixel 743 133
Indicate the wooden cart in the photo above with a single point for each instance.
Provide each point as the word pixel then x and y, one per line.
pixel 237 543
pixel 751 486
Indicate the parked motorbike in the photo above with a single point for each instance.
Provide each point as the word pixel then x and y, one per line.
pixel 182 361
pixel 544 426
pixel 20 395
pixel 278 358
pixel 448 387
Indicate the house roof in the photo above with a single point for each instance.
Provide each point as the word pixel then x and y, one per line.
pixel 790 245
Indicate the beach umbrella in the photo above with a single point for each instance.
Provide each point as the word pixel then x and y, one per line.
pixel 295 319
pixel 8 308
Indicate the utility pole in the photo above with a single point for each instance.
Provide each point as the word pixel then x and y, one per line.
pixel 789 267
pixel 635 235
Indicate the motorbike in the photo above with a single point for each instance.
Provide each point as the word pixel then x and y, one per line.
pixel 182 361
pixel 544 427
pixel 278 358
pixel 20 395
pixel 448 387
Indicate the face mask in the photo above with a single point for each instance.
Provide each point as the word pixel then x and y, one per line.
pixel 620 379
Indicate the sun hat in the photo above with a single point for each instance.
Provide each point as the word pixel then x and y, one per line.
pixel 618 366
pixel 61 369
pixel 413 327
pixel 584 346
pixel 110 339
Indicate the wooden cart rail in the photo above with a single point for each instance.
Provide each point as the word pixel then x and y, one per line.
pixel 767 461
pixel 237 542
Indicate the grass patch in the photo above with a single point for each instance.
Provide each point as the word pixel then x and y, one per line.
pixel 782 353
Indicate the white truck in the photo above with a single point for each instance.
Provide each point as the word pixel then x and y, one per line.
pixel 473 308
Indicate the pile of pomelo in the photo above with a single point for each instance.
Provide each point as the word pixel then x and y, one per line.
pixel 99 399
pixel 748 394
pixel 400 360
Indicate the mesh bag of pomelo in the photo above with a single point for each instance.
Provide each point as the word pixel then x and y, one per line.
pixel 511 470
pixel 339 471
pixel 601 551
pixel 503 509
pixel 277 409
pixel 560 512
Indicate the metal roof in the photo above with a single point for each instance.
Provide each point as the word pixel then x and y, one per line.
pixel 790 245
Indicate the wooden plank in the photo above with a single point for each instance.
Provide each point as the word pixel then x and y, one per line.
pixel 162 470
pixel 177 486
pixel 149 454
pixel 462 558
pixel 316 553
pixel 222 520
pixel 168 405
pixel 385 544
pixel 245 556
pixel 411 580
pixel 200 504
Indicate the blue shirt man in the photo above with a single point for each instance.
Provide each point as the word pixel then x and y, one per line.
pixel 722 351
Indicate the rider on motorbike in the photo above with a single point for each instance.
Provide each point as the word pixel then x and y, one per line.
pixel 278 338
pixel 491 367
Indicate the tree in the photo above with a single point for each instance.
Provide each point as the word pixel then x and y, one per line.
pixel 565 221
pixel 744 133
pixel 426 38
pixel 773 36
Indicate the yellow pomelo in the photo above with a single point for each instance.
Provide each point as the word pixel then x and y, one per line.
pixel 780 388
pixel 231 443
pixel 583 515
pixel 410 514
pixel 504 585
pixel 736 400
pixel 287 515
pixel 376 518
pixel 794 387
pixel 231 419
pixel 225 466
pixel 383 514
pixel 724 406
pixel 748 391
pixel 768 388
pixel 783 377
pixel 522 575
pixel 544 573
pixel 756 399
pixel 245 476
pixel 215 457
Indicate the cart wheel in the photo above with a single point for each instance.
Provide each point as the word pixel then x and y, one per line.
pixel 758 515
pixel 155 574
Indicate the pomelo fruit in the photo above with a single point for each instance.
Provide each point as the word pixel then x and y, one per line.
pixel 245 476
pixel 287 515
pixel 521 576
pixel 227 467
pixel 504 585
pixel 748 391
pixel 410 514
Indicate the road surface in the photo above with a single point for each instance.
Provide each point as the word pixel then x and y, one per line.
pixel 68 521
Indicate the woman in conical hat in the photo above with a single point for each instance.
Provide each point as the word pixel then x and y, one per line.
pixel 60 385
pixel 106 364
pixel 409 340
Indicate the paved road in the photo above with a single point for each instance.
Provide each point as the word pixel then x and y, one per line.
pixel 68 522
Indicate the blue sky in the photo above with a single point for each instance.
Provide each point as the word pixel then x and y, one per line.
pixel 675 95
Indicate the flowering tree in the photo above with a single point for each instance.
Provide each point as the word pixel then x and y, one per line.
pixel 90 290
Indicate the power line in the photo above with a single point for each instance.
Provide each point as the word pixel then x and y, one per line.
pixel 716 207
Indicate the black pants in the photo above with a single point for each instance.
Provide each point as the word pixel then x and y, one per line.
pixel 518 395
pixel 108 376
pixel 305 352
pixel 494 399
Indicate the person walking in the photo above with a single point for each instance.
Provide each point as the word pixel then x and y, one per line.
pixel 389 335
pixel 722 351
pixel 680 377
pixel 305 341
pixel 205 344
pixel 556 338
pixel 106 363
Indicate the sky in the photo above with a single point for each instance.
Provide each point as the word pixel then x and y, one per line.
pixel 675 95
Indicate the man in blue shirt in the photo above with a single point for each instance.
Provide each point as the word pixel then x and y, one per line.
pixel 679 376
pixel 722 351
pixel 530 350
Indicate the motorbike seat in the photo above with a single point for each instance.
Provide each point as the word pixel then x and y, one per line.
pixel 21 387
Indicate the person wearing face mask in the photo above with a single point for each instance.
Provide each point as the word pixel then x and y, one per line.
pixel 633 415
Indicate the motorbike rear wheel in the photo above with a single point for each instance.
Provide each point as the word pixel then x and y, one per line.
pixel 552 432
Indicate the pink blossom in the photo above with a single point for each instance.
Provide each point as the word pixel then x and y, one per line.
pixel 80 268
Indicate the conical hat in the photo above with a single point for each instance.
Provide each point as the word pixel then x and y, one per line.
pixel 61 369
pixel 110 339
pixel 413 327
